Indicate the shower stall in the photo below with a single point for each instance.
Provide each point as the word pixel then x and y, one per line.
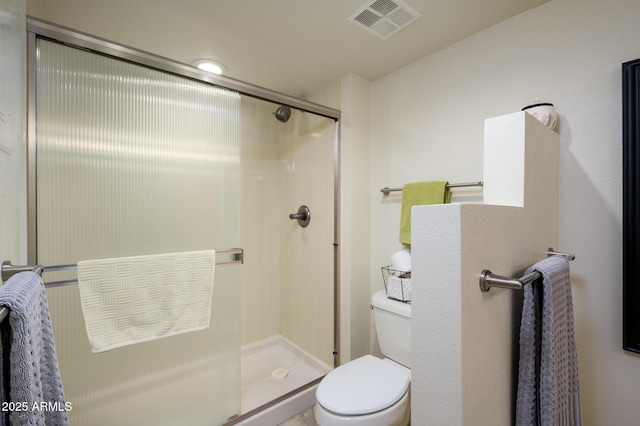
pixel 131 154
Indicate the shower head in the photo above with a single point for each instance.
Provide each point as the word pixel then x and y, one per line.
pixel 283 113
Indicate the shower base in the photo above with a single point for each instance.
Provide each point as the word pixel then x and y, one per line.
pixel 274 366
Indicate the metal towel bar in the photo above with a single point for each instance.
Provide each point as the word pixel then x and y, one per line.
pixel 35 269
pixel 489 279
pixel 236 255
pixel 386 190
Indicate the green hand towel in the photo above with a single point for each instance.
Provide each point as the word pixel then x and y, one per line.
pixel 420 194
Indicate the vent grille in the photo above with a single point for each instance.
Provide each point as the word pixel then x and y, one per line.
pixel 383 6
pixel 384 17
pixel 367 18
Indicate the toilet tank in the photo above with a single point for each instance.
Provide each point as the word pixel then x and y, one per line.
pixel 393 327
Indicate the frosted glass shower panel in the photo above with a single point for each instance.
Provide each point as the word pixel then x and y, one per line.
pixel 12 75
pixel 134 161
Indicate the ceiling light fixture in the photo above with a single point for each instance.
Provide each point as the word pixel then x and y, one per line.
pixel 210 65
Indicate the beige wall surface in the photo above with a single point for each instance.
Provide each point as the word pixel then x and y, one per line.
pixel 567 52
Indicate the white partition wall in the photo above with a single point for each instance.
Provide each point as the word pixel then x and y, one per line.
pixel 463 339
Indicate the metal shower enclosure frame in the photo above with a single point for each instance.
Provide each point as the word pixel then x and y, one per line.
pixel 41 29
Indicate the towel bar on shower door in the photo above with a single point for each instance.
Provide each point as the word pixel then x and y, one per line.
pixel 235 255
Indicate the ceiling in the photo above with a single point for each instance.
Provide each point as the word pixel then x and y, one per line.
pixel 291 46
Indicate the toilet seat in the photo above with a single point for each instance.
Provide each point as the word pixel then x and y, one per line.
pixel 362 386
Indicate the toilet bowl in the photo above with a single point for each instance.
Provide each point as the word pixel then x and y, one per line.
pixel 370 391
pixel 367 391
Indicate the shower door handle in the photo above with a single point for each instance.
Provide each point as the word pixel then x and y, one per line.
pixel 303 216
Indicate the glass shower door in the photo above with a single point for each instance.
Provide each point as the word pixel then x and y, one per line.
pixel 134 161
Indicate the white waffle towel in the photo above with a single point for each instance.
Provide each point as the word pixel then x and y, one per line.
pixel 135 299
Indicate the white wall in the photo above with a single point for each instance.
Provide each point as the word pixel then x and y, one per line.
pixel 12 132
pixel 355 229
pixel 427 121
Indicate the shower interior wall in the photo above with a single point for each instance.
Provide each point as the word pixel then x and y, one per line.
pixel 287 278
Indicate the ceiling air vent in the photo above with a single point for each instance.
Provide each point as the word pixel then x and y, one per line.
pixel 384 17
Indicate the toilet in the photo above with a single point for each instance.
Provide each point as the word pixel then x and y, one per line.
pixel 368 390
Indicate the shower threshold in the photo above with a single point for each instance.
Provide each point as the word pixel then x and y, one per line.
pixel 273 367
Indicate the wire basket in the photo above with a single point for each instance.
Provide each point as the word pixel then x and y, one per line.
pixel 397 284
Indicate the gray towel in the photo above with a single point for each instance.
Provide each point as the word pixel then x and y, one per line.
pixel 548 386
pixel 34 384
